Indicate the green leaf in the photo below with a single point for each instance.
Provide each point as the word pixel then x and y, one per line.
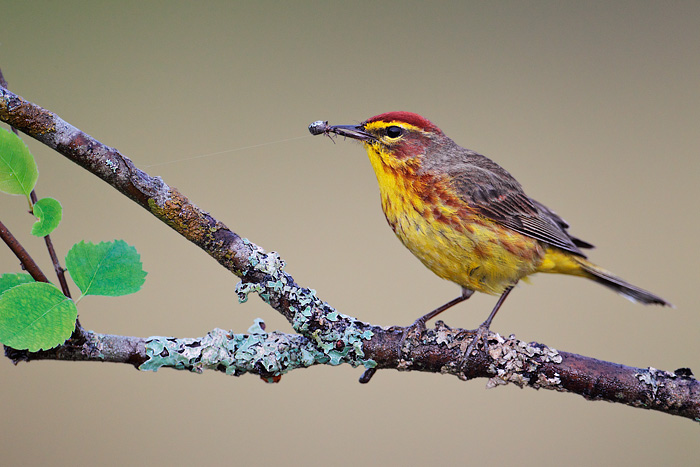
pixel 18 172
pixel 36 316
pixel 9 280
pixel 108 268
pixel 49 212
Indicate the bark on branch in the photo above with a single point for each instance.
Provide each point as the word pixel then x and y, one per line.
pixel 325 336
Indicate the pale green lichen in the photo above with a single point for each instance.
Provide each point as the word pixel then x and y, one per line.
pixel 244 288
pixel 113 166
pixel 258 327
pixel 339 337
pixel 259 352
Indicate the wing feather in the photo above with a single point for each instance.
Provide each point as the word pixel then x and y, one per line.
pixel 495 194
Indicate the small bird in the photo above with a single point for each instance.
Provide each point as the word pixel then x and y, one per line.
pixel 465 217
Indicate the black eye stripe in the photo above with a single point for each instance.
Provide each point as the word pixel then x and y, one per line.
pixel 394 131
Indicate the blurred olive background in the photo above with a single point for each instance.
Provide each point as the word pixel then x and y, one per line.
pixel 593 106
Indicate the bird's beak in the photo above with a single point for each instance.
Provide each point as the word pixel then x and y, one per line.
pixel 351 131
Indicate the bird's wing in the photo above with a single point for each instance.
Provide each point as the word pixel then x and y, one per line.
pixel 495 194
pixel 562 224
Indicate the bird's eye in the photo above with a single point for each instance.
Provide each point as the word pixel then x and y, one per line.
pixel 394 131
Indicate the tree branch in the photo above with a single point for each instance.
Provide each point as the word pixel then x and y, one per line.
pixel 326 336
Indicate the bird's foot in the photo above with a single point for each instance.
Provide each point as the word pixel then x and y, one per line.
pixel 480 337
pixel 416 328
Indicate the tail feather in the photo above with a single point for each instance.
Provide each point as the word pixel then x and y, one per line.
pixel 620 286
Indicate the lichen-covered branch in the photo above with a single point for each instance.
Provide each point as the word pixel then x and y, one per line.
pixel 325 335
pixel 269 355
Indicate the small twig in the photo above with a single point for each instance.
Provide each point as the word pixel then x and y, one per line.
pixel 60 271
pixel 27 262
pixel 367 375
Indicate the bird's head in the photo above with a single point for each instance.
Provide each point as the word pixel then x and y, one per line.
pixel 395 139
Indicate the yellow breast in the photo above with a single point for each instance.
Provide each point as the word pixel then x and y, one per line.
pixel 449 238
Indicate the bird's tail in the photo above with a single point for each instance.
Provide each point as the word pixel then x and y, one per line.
pixel 566 263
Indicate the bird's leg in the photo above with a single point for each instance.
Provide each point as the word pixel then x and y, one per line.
pixel 483 331
pixel 419 324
